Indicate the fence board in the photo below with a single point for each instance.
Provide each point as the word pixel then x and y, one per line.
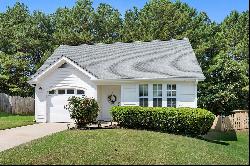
pixel 239 120
pixel 17 104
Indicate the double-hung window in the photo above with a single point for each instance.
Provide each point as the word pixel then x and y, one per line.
pixel 143 95
pixel 171 95
pixel 157 95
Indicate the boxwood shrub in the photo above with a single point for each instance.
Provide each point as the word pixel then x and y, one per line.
pixel 187 121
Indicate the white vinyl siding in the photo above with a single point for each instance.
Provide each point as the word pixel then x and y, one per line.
pixel 129 95
pixel 186 93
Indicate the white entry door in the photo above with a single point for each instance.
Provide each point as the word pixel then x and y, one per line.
pixel 106 105
pixel 56 103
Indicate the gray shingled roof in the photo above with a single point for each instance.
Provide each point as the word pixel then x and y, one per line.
pixel 155 59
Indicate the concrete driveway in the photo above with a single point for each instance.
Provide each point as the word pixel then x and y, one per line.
pixel 13 137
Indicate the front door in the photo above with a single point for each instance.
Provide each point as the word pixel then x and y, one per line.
pixel 111 96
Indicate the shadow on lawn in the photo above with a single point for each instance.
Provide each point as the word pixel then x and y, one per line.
pixel 4 114
pixel 219 137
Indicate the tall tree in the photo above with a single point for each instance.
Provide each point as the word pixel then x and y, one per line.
pixel 130 27
pixel 163 19
pixel 107 24
pixel 24 39
pixel 74 26
pixel 227 78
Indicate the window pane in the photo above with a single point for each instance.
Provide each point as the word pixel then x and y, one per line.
pixel 61 91
pixel 173 102
pixel 80 91
pixel 168 93
pixel 145 90
pixel 155 102
pixel 159 93
pixel 155 87
pixel 168 87
pixel 159 102
pixel 70 91
pixel 174 87
pixel 155 93
pixel 174 93
pixel 52 92
pixel 140 90
pixel 159 86
pixel 143 102
pixel 169 102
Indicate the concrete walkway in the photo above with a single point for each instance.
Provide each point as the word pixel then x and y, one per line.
pixel 13 137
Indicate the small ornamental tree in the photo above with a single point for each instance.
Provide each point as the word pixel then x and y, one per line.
pixel 83 110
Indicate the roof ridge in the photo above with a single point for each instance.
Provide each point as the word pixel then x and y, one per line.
pixel 120 42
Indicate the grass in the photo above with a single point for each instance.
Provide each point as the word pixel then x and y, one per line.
pixel 125 146
pixel 9 120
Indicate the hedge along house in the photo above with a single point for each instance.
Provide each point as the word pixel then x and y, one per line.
pixel 153 74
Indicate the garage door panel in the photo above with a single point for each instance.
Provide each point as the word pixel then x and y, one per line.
pixel 57 110
pixel 56 105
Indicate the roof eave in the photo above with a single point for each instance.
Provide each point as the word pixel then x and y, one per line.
pixel 149 79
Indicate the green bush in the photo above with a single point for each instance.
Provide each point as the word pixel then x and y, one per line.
pixel 83 110
pixel 188 121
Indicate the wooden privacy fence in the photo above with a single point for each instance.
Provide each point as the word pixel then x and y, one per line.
pixel 239 120
pixel 17 104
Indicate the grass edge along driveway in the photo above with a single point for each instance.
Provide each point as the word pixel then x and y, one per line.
pixel 10 121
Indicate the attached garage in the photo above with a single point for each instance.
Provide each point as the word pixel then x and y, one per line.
pixel 54 88
pixel 57 101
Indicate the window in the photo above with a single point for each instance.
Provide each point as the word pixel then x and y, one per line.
pixel 171 95
pixel 61 91
pixel 143 95
pixel 70 91
pixel 157 95
pixel 80 92
pixel 52 92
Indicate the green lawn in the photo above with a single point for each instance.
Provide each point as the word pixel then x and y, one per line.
pixel 125 146
pixel 9 121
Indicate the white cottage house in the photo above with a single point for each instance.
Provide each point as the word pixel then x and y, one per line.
pixel 156 73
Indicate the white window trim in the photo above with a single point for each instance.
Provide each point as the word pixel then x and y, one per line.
pixel 161 97
pixel 171 97
pixel 144 97
pixel 66 93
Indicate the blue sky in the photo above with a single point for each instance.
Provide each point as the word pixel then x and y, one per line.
pixel 216 9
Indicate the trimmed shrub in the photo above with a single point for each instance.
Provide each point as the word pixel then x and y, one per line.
pixel 83 110
pixel 188 121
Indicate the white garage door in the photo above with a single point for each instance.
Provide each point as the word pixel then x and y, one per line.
pixel 57 100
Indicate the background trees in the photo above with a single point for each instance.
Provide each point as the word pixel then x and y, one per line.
pixel 28 39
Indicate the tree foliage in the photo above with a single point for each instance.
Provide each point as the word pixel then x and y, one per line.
pixel 28 39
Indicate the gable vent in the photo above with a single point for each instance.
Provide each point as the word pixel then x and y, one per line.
pixel 63 65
